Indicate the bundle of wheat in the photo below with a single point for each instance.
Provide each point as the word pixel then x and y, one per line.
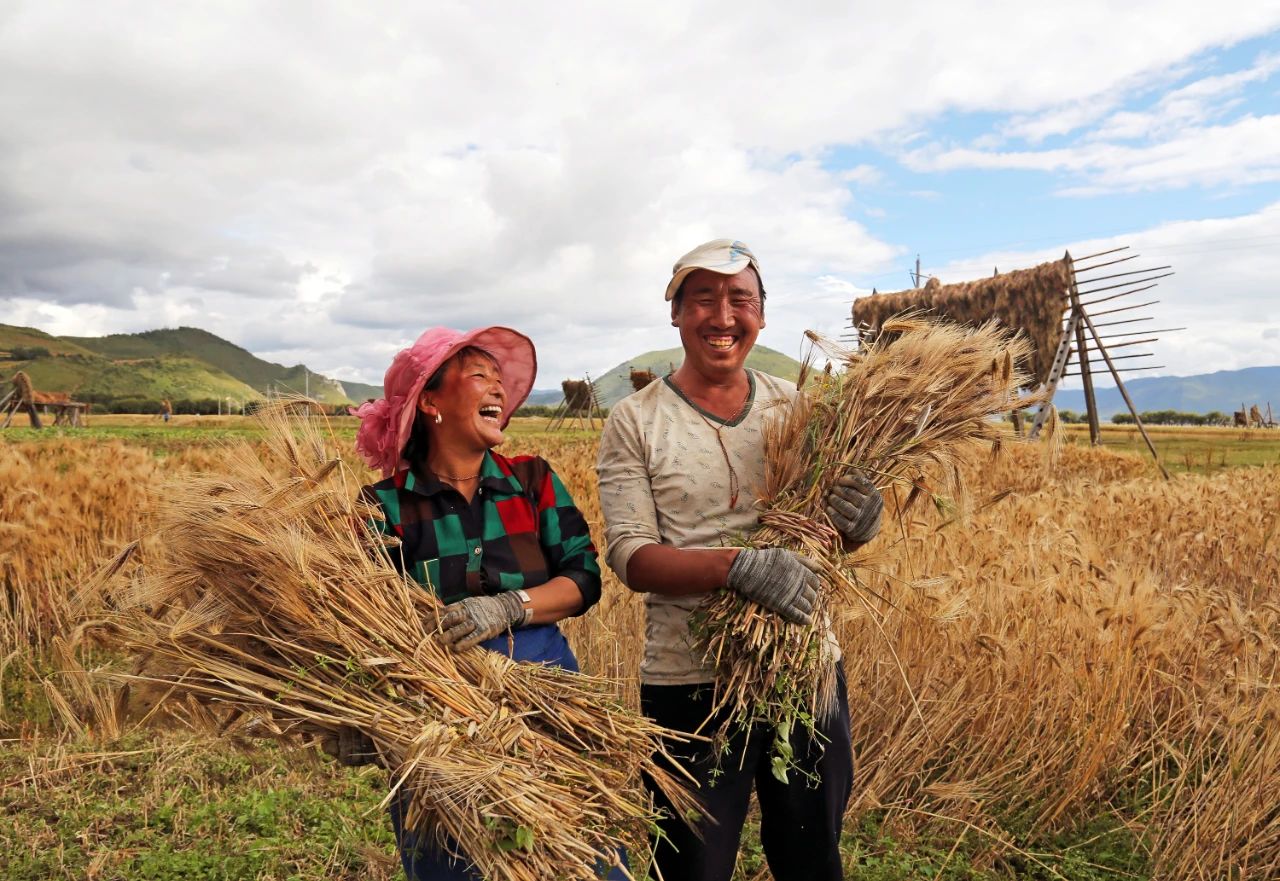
pixel 905 410
pixel 265 596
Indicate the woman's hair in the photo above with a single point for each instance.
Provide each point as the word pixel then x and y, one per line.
pixel 415 448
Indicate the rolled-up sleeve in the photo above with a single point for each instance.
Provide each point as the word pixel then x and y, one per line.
pixel 566 540
pixel 626 496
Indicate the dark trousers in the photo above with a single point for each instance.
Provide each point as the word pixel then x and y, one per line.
pixel 800 821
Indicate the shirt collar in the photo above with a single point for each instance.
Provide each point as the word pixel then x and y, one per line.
pixel 494 476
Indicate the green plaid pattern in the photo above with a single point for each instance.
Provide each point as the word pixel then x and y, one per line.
pixel 519 531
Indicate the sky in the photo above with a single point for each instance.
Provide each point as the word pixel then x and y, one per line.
pixel 319 182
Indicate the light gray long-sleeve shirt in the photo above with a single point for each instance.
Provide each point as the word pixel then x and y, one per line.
pixel 663 480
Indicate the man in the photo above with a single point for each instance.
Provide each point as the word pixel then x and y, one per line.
pixel 679 461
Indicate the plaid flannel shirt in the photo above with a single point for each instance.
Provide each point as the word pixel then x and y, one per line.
pixel 521 530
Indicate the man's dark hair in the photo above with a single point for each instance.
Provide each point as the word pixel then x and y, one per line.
pixel 415 448
pixel 678 299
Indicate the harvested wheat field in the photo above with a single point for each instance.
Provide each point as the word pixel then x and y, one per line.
pixel 1074 679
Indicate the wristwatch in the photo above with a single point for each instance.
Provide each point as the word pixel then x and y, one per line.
pixel 528 607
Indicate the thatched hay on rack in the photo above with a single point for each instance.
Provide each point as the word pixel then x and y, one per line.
pixel 641 378
pixel 264 595
pixel 1031 301
pixel 579 397
pixel 906 410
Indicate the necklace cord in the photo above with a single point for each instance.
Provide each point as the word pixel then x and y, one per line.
pixel 724 451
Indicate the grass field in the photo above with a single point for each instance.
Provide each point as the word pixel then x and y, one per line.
pixel 1075 682
pixel 1199 450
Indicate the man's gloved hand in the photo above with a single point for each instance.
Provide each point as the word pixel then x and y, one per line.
pixel 854 506
pixel 351 747
pixel 777 579
pixel 471 621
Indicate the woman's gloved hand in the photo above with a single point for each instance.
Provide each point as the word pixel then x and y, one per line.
pixel 469 622
pixel 777 579
pixel 854 506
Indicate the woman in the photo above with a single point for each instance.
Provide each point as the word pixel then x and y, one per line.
pixel 497 539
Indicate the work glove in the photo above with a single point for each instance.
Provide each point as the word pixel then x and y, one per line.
pixel 854 506
pixel 777 579
pixel 471 621
pixel 350 746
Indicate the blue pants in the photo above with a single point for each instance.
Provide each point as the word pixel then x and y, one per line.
pixel 422 861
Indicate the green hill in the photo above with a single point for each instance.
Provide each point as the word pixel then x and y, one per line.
pixel 144 381
pixel 16 339
pixel 615 384
pixel 227 357
pixel 359 391
pixel 184 363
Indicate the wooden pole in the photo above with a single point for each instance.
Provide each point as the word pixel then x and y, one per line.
pixel 1060 359
pixel 1082 356
pixel 1125 394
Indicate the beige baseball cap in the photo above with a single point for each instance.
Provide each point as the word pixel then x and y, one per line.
pixel 725 256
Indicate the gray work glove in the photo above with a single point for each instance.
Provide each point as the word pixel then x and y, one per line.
pixel 350 746
pixel 471 621
pixel 854 506
pixel 777 579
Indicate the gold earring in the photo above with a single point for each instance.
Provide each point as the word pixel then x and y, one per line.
pixel 439 419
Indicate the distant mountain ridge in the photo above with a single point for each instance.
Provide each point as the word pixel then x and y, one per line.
pixel 615 384
pixel 191 363
pixel 1223 390
pixel 173 363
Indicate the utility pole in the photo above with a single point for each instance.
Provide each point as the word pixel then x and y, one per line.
pixel 306 378
pixel 917 275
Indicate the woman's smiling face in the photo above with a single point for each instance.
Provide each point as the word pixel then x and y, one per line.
pixel 470 401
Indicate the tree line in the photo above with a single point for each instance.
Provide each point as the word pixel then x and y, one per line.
pixel 213 406
pixel 1156 417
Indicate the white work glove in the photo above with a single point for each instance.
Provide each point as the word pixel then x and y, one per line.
pixel 471 621
pixel 777 579
pixel 854 506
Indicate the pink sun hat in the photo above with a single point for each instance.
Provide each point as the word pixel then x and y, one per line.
pixel 385 424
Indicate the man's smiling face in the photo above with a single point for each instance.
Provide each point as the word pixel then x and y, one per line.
pixel 719 317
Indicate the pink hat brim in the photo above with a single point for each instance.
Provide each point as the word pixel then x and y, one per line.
pixel 412 367
pixel 517 361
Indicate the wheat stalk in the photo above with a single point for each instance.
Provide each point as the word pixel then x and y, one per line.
pixel 266 595
pixel 905 410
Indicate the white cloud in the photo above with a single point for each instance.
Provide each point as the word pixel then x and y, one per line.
pixel 1035 127
pixel 1222 290
pixel 863 174
pixel 1240 153
pixel 1186 140
pixel 322 182
pixel 1192 105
